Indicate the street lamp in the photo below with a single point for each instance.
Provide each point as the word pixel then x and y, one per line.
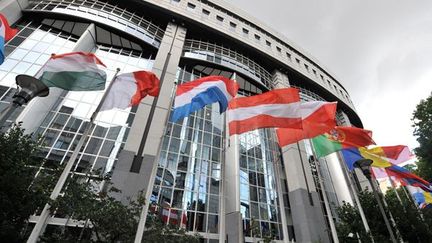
pixel 30 87
pixel 364 166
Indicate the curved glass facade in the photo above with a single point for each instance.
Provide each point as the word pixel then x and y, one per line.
pixel 187 180
pixel 259 203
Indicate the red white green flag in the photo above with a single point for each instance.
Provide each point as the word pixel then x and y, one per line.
pixel 129 89
pixel 75 71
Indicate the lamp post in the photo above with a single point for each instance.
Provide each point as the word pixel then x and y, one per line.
pixel 30 87
pixel 364 166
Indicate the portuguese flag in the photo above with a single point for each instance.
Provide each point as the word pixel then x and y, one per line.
pixel 75 71
pixel 341 138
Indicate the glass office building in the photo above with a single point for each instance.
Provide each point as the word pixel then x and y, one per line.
pixel 231 189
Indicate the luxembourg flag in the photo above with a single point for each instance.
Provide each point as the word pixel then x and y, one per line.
pixel 276 108
pixel 6 33
pixel 194 95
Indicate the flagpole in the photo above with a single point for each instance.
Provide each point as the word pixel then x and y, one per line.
pixel 355 196
pixel 324 195
pixel 41 223
pixel 143 216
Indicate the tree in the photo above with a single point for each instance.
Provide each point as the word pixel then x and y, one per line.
pixel 411 226
pixel 422 123
pixel 19 197
pixel 406 215
pixel 107 220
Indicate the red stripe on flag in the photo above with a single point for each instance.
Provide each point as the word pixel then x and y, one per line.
pixel 91 57
pixel 317 123
pixel 262 121
pixel 393 152
pixel 231 86
pixel 277 96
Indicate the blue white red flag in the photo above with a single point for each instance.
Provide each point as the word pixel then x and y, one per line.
pixel 6 33
pixel 194 95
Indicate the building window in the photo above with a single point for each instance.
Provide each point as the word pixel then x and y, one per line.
pixel 191 6
pixel 288 55
pixel 278 49
pixel 268 43
pixel 206 12
pixel 257 37
pixel 328 82
pixel 314 71
pixel 219 18
pixel 233 25
pixel 307 67
pixel 175 1
pixel 297 60
pixel 245 31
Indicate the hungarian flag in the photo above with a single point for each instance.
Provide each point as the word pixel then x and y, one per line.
pixel 129 89
pixel 318 117
pixel 340 138
pixel 276 108
pixel 75 71
pixel 6 33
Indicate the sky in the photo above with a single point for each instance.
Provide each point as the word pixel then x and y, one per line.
pixel 380 51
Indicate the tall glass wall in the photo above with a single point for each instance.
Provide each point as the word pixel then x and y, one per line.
pixel 189 170
pixel 259 203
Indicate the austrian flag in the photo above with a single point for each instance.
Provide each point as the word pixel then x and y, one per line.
pixel 276 108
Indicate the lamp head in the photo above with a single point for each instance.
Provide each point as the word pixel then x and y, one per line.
pixel 364 166
pixel 30 87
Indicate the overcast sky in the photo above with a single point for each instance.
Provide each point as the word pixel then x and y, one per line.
pixel 380 50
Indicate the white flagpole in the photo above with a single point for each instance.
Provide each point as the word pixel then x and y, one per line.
pixel 41 223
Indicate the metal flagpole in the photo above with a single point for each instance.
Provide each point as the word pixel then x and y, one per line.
pixel 40 224
pixel 143 216
pixel 324 195
pixel 355 196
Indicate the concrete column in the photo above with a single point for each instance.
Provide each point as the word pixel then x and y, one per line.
pixel 36 111
pixel 11 9
pixel 133 177
pixel 306 210
pixel 233 217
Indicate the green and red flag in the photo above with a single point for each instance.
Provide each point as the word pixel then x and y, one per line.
pixel 75 71
pixel 341 138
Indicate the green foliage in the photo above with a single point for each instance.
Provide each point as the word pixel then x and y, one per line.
pixel 107 220
pixel 422 123
pixel 19 198
pixel 408 220
pixel 411 226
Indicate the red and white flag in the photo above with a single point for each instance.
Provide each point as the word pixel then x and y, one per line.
pixel 318 118
pixel 276 108
pixel 129 89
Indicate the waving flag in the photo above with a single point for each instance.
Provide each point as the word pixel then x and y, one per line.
pixel 408 178
pixel 422 198
pixel 341 138
pixel 318 117
pixel 276 108
pixel 404 156
pixel 6 33
pixel 351 155
pixel 194 95
pixel 75 71
pixel 129 89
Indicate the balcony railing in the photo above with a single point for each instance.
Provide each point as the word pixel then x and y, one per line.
pixel 106 14
pixel 228 58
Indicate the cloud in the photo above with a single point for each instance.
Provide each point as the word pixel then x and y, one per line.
pixel 379 50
